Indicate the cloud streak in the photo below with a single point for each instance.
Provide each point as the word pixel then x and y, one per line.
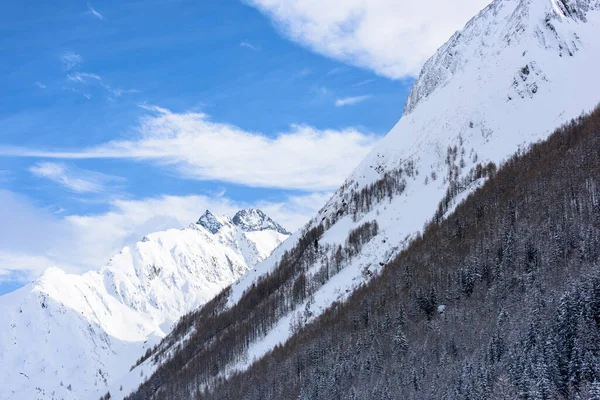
pixel 73 179
pixel 95 13
pixel 82 77
pixel 304 158
pixel 350 101
pixel 71 60
pixel 379 35
pixel 249 45
pixel 118 92
pixel 364 82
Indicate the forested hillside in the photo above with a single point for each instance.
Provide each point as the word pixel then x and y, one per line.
pixel 499 300
pixel 521 68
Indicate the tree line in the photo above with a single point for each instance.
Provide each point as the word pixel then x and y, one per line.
pixel 500 300
pixel 206 342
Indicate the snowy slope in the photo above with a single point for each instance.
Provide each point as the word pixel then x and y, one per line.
pixel 68 336
pixel 517 71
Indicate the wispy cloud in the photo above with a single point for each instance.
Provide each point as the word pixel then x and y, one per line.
pixel 362 83
pixel 321 91
pixel 95 13
pixel 303 158
pixel 90 78
pixel 83 77
pixel 71 60
pixel 349 101
pixel 118 92
pixel 77 91
pixel 336 70
pixel 75 78
pixel 73 179
pixel 23 249
pixel 249 45
pixel 40 85
pixel 375 34
pixel 304 72
pixel 21 267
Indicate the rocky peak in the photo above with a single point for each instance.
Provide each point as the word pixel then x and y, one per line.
pixel 210 222
pixel 503 23
pixel 253 219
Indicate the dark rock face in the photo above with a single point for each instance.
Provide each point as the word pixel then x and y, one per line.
pixel 248 220
pixel 210 222
pixel 252 219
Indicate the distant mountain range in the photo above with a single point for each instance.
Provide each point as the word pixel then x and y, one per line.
pixel 67 336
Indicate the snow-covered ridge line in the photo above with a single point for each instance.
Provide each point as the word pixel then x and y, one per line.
pixel 480 31
pixel 74 334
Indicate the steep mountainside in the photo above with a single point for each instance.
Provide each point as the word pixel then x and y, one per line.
pixel 66 336
pixel 501 300
pixel 506 80
pixel 517 71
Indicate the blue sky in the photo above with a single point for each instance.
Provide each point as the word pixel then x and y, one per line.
pixel 123 117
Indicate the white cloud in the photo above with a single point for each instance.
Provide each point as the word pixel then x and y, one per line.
pixel 390 37
pixel 38 238
pixel 30 236
pixel 349 101
pixel 83 77
pixel 22 267
pixel 304 158
pixel 88 78
pixel 73 179
pixel 117 92
pixel 40 85
pixel 337 70
pixel 95 13
pixel 71 60
pixel 362 83
pixel 249 45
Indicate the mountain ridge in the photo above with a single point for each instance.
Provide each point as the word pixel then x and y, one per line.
pixel 500 300
pixel 106 319
pixel 253 219
pixel 516 66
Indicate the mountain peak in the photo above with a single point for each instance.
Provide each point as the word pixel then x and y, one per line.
pixel 253 219
pixel 209 221
pixel 110 316
pixel 504 24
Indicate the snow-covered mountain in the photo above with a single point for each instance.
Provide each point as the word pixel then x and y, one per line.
pixel 518 70
pixel 253 219
pixel 66 336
